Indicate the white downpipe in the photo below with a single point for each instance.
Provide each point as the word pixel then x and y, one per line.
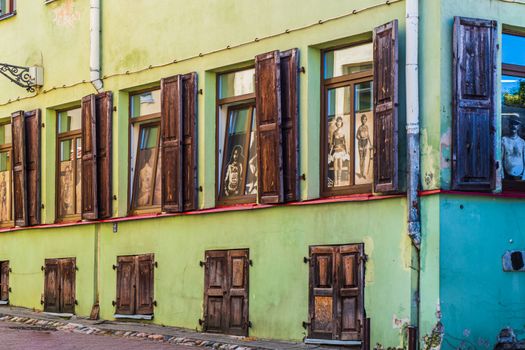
pixel 94 57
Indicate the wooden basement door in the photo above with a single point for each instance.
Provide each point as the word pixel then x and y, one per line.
pixel 226 292
pixel 336 306
pixel 59 285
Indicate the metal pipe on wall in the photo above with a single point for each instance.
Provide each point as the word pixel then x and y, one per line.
pixel 94 58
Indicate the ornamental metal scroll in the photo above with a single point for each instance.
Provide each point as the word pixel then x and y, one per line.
pixel 21 76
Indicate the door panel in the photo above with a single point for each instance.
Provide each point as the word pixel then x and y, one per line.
pixel 52 286
pixel 126 277
pixel 215 290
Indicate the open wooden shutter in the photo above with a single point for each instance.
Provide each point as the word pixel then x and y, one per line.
pixel 19 168
pixel 126 282
pixel 269 136
pixel 290 123
pixel 89 159
pixel 350 278
pixel 104 114
pixel 237 303
pixel 4 281
pixel 52 286
pixel 33 161
pixel 67 274
pixel 474 116
pixel 145 284
pixel 171 144
pixel 189 141
pixel 386 108
pixel 215 289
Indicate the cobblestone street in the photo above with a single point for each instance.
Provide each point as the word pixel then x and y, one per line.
pixel 21 337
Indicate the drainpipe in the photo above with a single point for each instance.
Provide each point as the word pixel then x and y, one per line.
pixel 94 58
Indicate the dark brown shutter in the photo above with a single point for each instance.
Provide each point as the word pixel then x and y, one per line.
pixel 104 114
pixel 33 164
pixel 51 286
pixel 215 289
pixel 290 123
pixel 237 303
pixel 171 144
pixel 126 283
pixel 89 159
pixel 67 274
pixel 19 168
pixel 4 281
pixel 350 277
pixel 474 116
pixel 268 115
pixel 386 108
pixel 145 284
pixel 322 287
pixel 189 121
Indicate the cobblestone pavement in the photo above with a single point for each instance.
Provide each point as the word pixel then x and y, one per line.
pixel 21 337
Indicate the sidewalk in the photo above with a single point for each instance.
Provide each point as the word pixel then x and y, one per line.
pixel 146 331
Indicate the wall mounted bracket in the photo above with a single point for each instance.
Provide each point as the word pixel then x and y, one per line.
pixel 26 77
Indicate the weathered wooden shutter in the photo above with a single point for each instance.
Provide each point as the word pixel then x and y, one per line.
pixel 89 159
pixel 386 108
pixel 290 123
pixel 51 286
pixel 237 302
pixel 126 283
pixel 67 274
pixel 474 116
pixel 350 278
pixel 33 164
pixel 269 136
pixel 171 144
pixel 19 168
pixel 4 281
pixel 104 114
pixel 145 284
pixel 322 286
pixel 215 289
pixel 189 121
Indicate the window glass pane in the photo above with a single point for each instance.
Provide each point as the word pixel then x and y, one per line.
pixel 348 60
pixel 339 135
pixel 512 131
pixel 5 7
pixel 5 134
pixel 251 176
pixel 237 83
pixel 513 49
pixel 364 132
pixel 5 186
pixel 65 150
pixel 146 173
pixel 66 202
pixel 145 104
pixel 69 120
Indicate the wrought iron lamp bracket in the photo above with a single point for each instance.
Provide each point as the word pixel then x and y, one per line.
pixel 26 77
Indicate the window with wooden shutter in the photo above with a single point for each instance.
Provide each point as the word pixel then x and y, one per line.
pixel 336 307
pixel 4 281
pixel 6 202
pixel 226 292
pixel 135 288
pixel 59 285
pixel 386 86
pixel 474 114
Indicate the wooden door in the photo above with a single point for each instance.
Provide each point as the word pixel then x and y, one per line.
pixel 144 283
pixel 126 282
pixel 336 307
pixel 52 286
pixel 237 297
pixel 215 282
pixel 4 280
pixel 67 272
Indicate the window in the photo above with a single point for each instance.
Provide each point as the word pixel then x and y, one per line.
pixel 513 112
pixel 69 156
pixel 237 142
pixel 7 8
pixel 59 285
pixel 348 120
pixel 145 172
pixel 135 285
pixel 4 282
pixel 6 205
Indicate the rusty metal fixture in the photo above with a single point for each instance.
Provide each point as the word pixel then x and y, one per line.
pixel 18 75
pixel 507 340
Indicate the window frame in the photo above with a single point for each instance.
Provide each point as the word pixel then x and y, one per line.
pixel 350 80
pixel 12 6
pixel 74 136
pixel 141 121
pixel 8 147
pixel 518 71
pixel 232 103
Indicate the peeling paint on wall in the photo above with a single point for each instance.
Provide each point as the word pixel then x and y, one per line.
pixel 430 155
pixel 446 140
pixel 370 266
pixel 399 323
pixel 66 15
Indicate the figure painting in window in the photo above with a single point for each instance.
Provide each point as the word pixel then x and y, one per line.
pixel 4 198
pixel 145 180
pixel 364 147
pixel 338 154
pixel 234 173
pixel 66 189
pixel 513 150
pixel 251 176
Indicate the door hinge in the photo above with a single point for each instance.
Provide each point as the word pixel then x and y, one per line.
pixel 76 302
pixel 202 263
pixel 306 324
pixel 9 290
pixel 156 264
pixel 42 268
pixel 114 303
pixel 363 258
pixel 115 267
pixel 306 260
pixel 201 322
pixel 250 262
pixel 155 303
pixel 76 268
pixel 249 324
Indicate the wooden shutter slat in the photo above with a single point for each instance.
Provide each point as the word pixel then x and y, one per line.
pixel 269 136
pixel 190 144
pixel 474 96
pixel 33 165
pixel 51 286
pixel 126 279
pixel 237 297
pixel 67 272
pixel 385 88
pixel 104 116
pixel 89 159
pixel 350 280
pixel 215 289
pixel 145 284
pixel 4 281
pixel 171 144
pixel 290 123
pixel 18 131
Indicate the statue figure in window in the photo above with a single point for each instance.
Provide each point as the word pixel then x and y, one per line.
pixel 234 173
pixel 338 151
pixel 363 146
pixel 513 150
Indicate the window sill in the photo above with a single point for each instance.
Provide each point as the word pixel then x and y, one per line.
pixel 8 15
pixel 333 342
pixel 504 194
pixel 133 317
pixel 4 302
pixel 57 314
